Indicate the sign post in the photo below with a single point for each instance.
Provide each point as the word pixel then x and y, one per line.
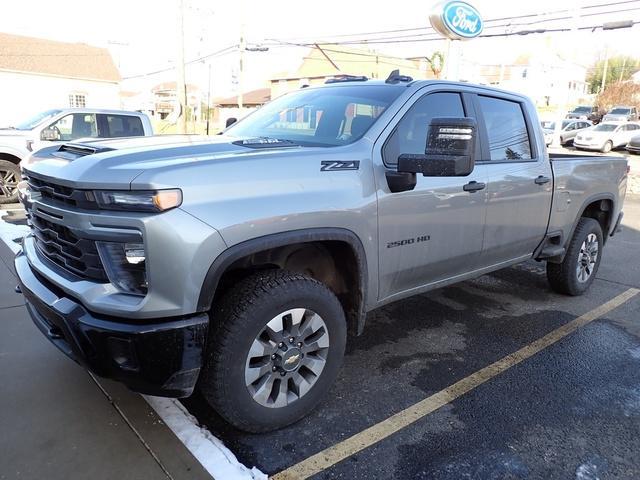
pixel 455 20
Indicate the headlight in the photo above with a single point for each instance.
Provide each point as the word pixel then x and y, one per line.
pixel 143 200
pixel 125 266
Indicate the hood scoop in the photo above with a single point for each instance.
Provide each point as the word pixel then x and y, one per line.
pixel 72 151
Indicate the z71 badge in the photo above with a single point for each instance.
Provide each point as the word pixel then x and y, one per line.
pixel 332 165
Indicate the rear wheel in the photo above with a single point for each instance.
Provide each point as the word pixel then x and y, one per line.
pixel 274 351
pixel 578 269
pixel 9 178
pixel 606 148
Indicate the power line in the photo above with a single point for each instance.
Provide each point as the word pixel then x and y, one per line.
pixel 488 21
pixel 218 53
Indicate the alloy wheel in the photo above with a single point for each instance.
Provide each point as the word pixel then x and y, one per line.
pixel 587 258
pixel 8 183
pixel 286 358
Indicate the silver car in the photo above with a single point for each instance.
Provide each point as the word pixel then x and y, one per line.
pixel 621 114
pixel 606 136
pixel 634 145
pixel 570 129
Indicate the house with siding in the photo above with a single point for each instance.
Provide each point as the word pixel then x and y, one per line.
pixel 38 74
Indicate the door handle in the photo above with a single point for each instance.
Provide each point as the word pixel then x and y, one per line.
pixel 474 186
pixel 541 180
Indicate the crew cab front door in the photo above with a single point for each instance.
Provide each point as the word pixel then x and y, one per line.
pixel 433 232
pixel 520 180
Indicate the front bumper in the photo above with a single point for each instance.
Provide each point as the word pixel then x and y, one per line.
pixel 590 145
pixel 633 148
pixel 156 358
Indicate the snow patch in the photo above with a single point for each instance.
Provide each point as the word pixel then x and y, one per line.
pixel 10 232
pixel 206 448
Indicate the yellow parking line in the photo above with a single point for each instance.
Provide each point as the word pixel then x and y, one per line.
pixel 372 435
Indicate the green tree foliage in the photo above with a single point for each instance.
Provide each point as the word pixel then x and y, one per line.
pixel 620 68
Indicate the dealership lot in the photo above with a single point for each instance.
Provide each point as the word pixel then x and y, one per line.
pixel 571 410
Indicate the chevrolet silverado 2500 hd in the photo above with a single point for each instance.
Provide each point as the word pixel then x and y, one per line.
pixel 240 264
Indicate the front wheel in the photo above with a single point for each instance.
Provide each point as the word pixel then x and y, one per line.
pixel 607 147
pixel 9 178
pixel 578 269
pixel 274 350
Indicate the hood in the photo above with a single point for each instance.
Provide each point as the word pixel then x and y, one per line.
pixel 12 132
pixel 114 164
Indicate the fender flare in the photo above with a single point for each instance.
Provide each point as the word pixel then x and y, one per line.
pixel 594 198
pixel 308 235
pixel 20 154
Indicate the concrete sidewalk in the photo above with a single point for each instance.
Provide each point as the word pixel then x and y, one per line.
pixel 57 422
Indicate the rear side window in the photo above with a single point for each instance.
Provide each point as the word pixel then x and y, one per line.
pixel 123 126
pixel 410 136
pixel 506 129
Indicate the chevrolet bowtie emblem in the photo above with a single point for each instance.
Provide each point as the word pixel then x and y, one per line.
pixel 292 359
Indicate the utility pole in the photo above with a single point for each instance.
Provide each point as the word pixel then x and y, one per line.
pixel 605 68
pixel 181 88
pixel 624 65
pixel 243 47
pixel 209 99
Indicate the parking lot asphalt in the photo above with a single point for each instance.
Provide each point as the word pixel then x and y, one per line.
pixel 571 410
pixel 58 422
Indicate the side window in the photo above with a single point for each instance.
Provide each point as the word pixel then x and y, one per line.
pixel 123 126
pixel 506 129
pixel 74 126
pixel 410 135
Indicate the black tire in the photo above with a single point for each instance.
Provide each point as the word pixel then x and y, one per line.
pixel 563 277
pixel 9 178
pixel 238 319
pixel 607 147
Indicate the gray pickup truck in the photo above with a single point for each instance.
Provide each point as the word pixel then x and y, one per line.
pixel 241 264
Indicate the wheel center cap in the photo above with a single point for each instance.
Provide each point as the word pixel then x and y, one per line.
pixel 291 359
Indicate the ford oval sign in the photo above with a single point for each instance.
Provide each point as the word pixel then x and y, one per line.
pixel 457 20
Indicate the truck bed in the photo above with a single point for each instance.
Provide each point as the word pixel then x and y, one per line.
pixel 580 180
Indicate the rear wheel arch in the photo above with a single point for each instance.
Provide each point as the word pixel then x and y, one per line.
pixel 600 209
pixel 334 256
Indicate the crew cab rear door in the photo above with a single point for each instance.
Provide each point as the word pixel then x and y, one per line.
pixel 520 180
pixel 434 231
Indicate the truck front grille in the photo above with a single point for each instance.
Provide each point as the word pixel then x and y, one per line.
pixel 61 194
pixel 61 246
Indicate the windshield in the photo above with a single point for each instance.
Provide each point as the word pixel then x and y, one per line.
pixel 605 127
pixel 320 116
pixel 582 110
pixel 36 119
pixel 620 111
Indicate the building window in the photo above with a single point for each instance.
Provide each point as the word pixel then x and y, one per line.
pixel 77 100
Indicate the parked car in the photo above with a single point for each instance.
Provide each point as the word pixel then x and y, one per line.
pixel 605 136
pixel 58 126
pixel 585 112
pixel 568 132
pixel 621 114
pixel 634 145
pixel 242 264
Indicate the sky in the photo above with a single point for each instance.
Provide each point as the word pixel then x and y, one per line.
pixel 142 34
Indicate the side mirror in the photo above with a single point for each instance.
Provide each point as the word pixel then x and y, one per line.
pixel 230 121
pixel 449 152
pixel 50 134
